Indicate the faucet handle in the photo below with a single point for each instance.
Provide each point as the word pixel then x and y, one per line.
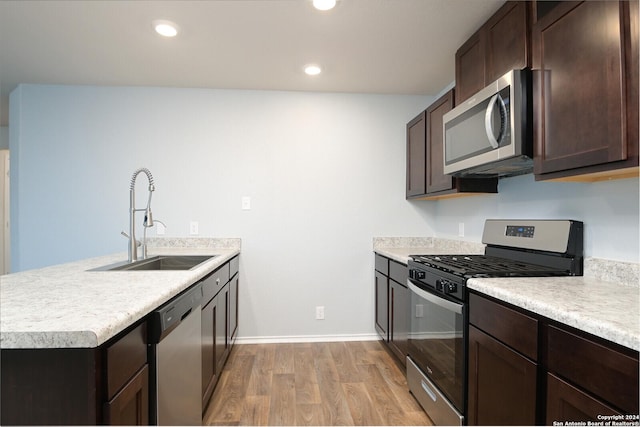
pixel 127 236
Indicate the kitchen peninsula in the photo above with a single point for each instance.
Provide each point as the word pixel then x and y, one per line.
pixel 80 348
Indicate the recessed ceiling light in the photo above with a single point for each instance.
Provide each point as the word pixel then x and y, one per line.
pixel 324 4
pixel 165 28
pixel 312 69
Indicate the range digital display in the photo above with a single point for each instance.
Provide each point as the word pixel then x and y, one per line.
pixel 520 231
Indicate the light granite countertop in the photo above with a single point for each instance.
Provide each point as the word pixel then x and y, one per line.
pixel 604 309
pixel 70 306
pixel 604 302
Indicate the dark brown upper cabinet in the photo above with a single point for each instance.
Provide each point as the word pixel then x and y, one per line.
pixel 500 45
pixel 425 158
pixel 416 156
pixel 585 90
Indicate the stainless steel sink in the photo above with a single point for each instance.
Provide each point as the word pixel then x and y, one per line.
pixel 160 262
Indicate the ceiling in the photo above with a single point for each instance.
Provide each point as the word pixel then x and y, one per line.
pixel 363 46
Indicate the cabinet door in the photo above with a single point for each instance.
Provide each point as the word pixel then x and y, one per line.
pixel 130 406
pixel 208 348
pixel 502 383
pixel 507 40
pixel 579 92
pixel 416 156
pixel 470 68
pixel 399 319
pixel 233 307
pixel 567 403
pixel 382 305
pixel 609 373
pixel 436 179
pixel 221 343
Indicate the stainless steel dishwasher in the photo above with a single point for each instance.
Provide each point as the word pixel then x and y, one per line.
pixel 175 346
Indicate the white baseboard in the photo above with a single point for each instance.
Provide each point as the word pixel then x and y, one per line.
pixel 306 338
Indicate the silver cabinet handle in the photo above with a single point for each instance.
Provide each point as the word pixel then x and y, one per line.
pixel 428 390
pixel 488 123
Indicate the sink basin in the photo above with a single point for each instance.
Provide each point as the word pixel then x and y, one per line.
pixel 161 262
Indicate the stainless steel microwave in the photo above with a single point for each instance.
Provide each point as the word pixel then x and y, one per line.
pixel 490 134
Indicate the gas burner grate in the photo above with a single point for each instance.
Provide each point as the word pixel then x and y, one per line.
pixel 475 265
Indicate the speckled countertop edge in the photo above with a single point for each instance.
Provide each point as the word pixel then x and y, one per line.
pixel 600 308
pixel 110 301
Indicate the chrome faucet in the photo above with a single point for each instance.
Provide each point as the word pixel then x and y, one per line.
pixel 148 219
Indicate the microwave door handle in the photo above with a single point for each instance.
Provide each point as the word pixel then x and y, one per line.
pixel 446 304
pixel 488 122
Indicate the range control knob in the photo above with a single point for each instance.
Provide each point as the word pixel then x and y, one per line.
pixel 416 274
pixel 446 286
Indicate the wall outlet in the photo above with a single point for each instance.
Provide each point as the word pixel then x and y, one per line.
pixel 320 312
pixel 193 228
pixel 246 203
pixel 461 229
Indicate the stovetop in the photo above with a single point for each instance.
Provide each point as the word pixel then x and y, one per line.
pixel 469 266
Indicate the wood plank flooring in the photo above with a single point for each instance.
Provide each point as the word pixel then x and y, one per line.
pixel 322 384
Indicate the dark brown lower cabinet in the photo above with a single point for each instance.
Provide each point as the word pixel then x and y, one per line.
pixel 502 383
pixel 525 369
pixel 234 286
pixel 219 324
pixel 77 386
pixel 215 343
pixel 392 305
pixel 131 405
pixel 566 403
pixel 602 371
pixel 221 340
pixel 398 319
pixel 381 319
pixel 208 349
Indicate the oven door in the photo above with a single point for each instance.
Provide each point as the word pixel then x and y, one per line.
pixel 437 348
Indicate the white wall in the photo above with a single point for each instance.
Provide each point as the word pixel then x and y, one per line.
pixel 325 173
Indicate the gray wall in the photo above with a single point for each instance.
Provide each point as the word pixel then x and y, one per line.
pixel 325 173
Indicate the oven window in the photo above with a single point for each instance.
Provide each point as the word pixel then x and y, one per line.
pixel 436 343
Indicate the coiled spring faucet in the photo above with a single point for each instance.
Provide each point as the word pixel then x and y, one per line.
pixel 148 219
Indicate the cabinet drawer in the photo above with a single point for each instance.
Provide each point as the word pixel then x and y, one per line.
pixel 234 266
pixel 125 357
pixel 212 283
pixel 603 371
pixel 398 272
pixel 382 264
pixel 567 403
pixel 513 328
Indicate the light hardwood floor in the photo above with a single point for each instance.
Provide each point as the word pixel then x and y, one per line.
pixel 323 384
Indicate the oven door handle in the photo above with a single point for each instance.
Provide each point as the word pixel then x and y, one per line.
pixel 446 304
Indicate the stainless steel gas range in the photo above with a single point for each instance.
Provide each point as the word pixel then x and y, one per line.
pixel 437 360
